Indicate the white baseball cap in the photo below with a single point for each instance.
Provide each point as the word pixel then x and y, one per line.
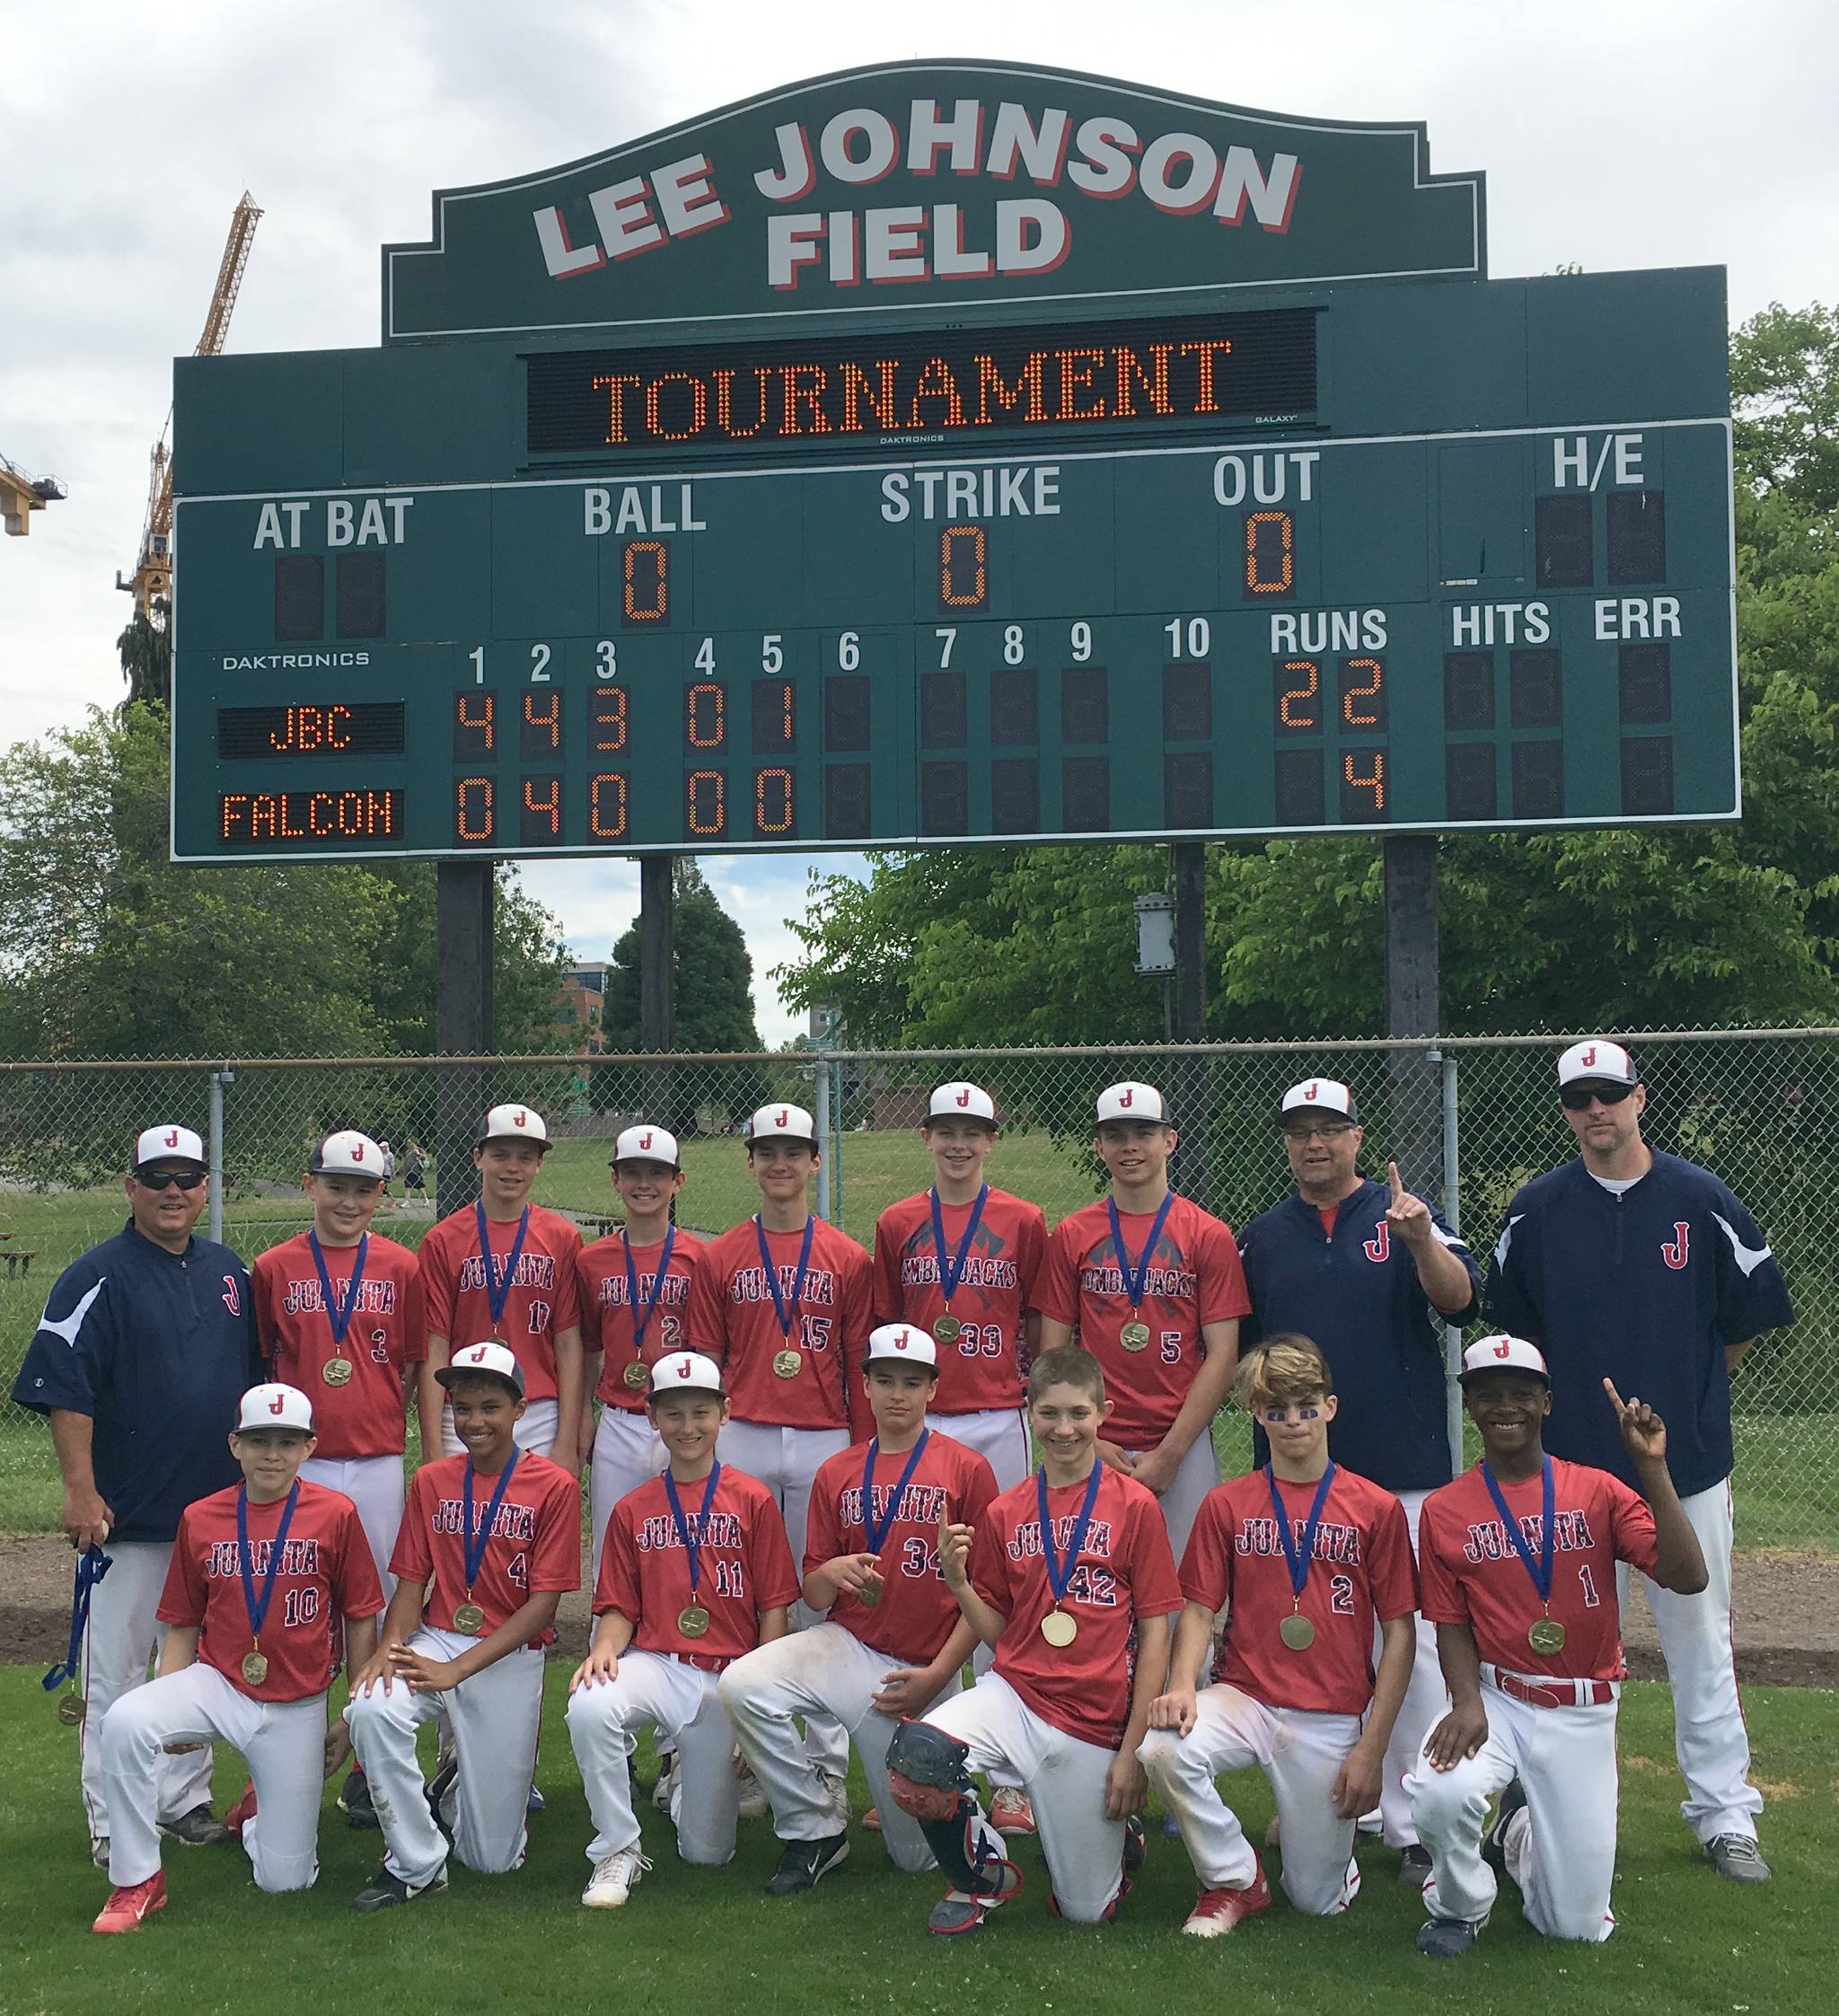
pixel 1597 1061
pixel 1320 1095
pixel 491 1356
pixel 786 1123
pixel 347 1153
pixel 960 1101
pixel 903 1341
pixel 168 1144
pixel 275 1406
pixel 685 1371
pixel 1132 1101
pixel 513 1124
pixel 1503 1353
pixel 647 1144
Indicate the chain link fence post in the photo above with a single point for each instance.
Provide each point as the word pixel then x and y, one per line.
pixel 1452 1210
pixel 218 1080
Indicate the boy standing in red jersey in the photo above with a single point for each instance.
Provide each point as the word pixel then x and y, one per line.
pixel 1517 1561
pixel 270 1582
pixel 503 1267
pixel 1307 1556
pixel 490 1541
pixel 1153 1286
pixel 695 1572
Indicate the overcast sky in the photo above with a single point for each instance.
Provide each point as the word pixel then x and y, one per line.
pixel 1627 135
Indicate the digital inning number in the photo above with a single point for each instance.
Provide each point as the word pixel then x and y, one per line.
pixel 1270 553
pixel 963 568
pixel 645 572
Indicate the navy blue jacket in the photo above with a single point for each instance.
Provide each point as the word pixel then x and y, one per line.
pixel 157 1348
pixel 1357 1294
pixel 1647 1286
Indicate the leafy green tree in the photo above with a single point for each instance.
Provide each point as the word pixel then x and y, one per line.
pixel 146 655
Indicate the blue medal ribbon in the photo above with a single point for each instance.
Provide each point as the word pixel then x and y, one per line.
pixel 91 1566
pixel 497 1291
pixel 1299 1558
pixel 1060 1570
pixel 472 1547
pixel 640 1319
pixel 787 1316
pixel 692 1544
pixel 257 1607
pixel 338 1315
pixel 873 1534
pixel 1540 1573
pixel 1135 1277
pixel 950 1265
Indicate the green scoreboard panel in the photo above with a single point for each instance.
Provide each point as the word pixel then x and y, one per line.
pixel 1436 553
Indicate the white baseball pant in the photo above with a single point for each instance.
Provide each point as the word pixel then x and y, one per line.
pixel 1064 1779
pixel 534 1429
pixel 283 1743
pixel 1301 1753
pixel 121 1639
pixel 626 1453
pixel 786 1460
pixel 378 1487
pixel 999 1436
pixel 658 1689
pixel 1426 1700
pixel 1564 1856
pixel 494 1716
pixel 825 1670
pixel 1708 1736
pixel 1198 1474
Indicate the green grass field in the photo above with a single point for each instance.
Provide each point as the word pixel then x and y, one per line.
pixel 695 1939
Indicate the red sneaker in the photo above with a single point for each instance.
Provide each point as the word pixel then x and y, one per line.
pixel 1011 1811
pixel 126 1908
pixel 242 1812
pixel 1218 1910
pixel 871 1819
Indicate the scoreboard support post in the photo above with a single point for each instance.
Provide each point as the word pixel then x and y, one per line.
pixel 463 900
pixel 1190 1090
pixel 1415 1133
pixel 658 977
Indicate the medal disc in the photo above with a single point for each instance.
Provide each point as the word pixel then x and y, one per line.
pixel 785 1364
pixel 1297 1632
pixel 1059 1629
pixel 638 1374
pixel 1546 1635
pixel 1134 1336
pixel 255 1668
pixel 336 1371
pixel 871 1592
pixel 70 1710
pixel 947 1330
pixel 692 1620
pixel 468 1618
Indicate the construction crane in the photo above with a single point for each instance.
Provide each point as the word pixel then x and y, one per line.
pixel 152 579
pixel 20 495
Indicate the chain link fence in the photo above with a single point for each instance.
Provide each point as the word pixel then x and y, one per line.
pixel 1467 1119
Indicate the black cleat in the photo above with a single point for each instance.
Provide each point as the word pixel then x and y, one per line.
pixel 804 1864
pixel 386 1889
pixel 1513 1799
pixel 1444 1938
pixel 1136 1845
pixel 355 1802
pixel 438 1788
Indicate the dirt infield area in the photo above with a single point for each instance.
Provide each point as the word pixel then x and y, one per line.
pixel 1787 1614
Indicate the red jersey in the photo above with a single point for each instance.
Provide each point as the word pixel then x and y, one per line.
pixel 744 1566
pixel 733 1317
pixel 607 1312
pixel 1124 1570
pixel 917 1613
pixel 387 1333
pixel 326 1575
pixel 534 1543
pixel 1360 1568
pixel 1470 1574
pixel 541 1300
pixel 1194 1278
pixel 982 1371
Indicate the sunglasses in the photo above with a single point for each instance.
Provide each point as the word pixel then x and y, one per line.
pixel 1329 1129
pixel 161 1179
pixel 1576 1098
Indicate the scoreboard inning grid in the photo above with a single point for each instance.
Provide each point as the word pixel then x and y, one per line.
pixel 1195 569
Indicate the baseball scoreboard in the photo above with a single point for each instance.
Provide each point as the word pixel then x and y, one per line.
pixel 1158 504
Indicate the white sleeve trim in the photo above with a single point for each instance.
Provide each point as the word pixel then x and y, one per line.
pixel 1506 1240
pixel 68 1327
pixel 1749 1258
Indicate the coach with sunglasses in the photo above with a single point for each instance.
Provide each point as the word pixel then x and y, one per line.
pixel 141 1358
pixel 1644 1268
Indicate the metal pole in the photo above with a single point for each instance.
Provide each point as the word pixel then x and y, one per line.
pixel 836 1122
pixel 1411 1000
pixel 821 1116
pixel 218 1079
pixel 464 894
pixel 1452 1210
pixel 1188 1094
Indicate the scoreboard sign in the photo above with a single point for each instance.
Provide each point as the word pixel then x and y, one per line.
pixel 974 454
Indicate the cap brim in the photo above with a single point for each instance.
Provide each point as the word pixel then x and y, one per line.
pixel 447 1374
pixel 171 1155
pixel 1495 1371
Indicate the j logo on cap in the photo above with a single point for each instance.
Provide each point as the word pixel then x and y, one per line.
pixel 277 1403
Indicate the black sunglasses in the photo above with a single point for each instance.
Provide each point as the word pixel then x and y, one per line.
pixel 159 1179
pixel 1578 1097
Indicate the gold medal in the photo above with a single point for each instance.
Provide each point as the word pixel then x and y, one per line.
pixel 255 1668
pixel 468 1619
pixel 692 1620
pixel 1134 1336
pixel 947 1329
pixel 871 1591
pixel 1297 1632
pixel 1058 1628
pixel 785 1364
pixel 1546 1636
pixel 337 1371
pixel 70 1710
pixel 638 1374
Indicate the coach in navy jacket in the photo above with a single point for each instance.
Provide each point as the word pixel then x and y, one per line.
pixel 1643 1269
pixel 1371 1274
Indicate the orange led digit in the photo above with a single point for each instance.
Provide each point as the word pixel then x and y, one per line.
pixel 542 805
pixel 606 807
pixel 963 573
pixel 1296 705
pixel 707 810
pixel 646 566
pixel 1357 691
pixel 606 718
pixel 772 801
pixel 475 724
pixel 1374 781
pixel 543 718
pixel 474 822
pixel 705 716
pixel 1269 558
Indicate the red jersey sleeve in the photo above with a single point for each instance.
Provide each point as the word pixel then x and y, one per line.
pixel 1222 1284
pixel 182 1600
pixel 356 1589
pixel 1056 1282
pixel 979 1492
pixel 555 1561
pixel 1155 1589
pixel 434 1271
pixel 770 1560
pixel 1632 1522
pixel 411 1559
pixel 1441 1597
pixel 617 1586
pixel 1206 1570
pixel 1030 1252
pixel 886 1286
pixel 1391 1572
pixel 703 1323
pixel 989 1566
pixel 568 1310
pixel 415 1323
pixel 823 1534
